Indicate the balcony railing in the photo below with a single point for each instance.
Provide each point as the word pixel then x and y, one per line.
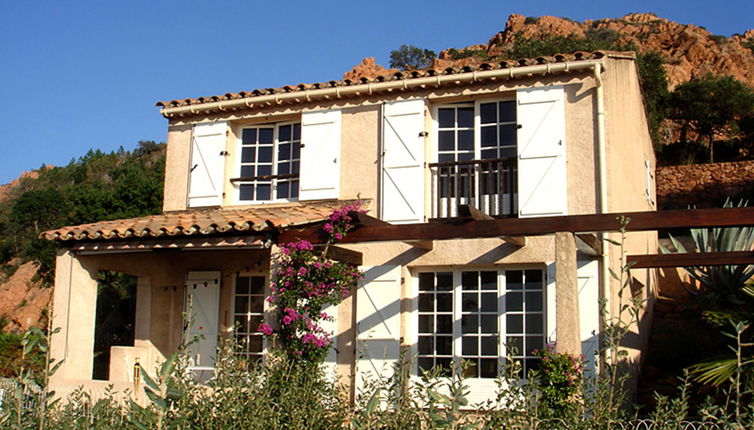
pixel 488 185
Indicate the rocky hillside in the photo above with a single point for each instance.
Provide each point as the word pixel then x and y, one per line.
pixel 688 50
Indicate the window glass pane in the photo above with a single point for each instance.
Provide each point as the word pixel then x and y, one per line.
pixel 255 343
pixel 296 151
pixel 469 345
pixel 446 117
pixel 247 154
pixel 488 113
pixel 256 304
pixel 242 285
pixel 465 140
pixel 514 302
pixel 444 302
pixel 296 131
pixel 466 156
pixel 489 302
pixel 265 135
pixel 489 323
pixel 264 170
pixel 508 111
pixel 514 280
pixel 284 168
pixel 294 189
pixel 508 152
pixel 466 117
pixel 531 364
pixel 426 364
pixel 284 151
pixel 242 304
pixel 488 368
pixel 294 167
pixel 514 324
pixel 444 281
pixel 533 278
pixel 425 345
pixel 426 303
pixel 444 345
pixel 426 324
pixel 247 171
pixel 470 280
pixel 534 343
pixel 284 133
pixel 515 345
pixel 489 280
pixel 533 301
pixel 534 324
pixel 447 141
pixel 442 158
pixel 240 323
pixel 469 324
pixel 254 322
pixel 246 192
pixel 470 302
pixel 265 154
pixel 508 134
pixel 257 285
pixel 282 190
pixel 444 324
pixel 249 136
pixel 488 154
pixel 426 281
pixel 263 192
pixel 489 345
pixel 488 137
pixel 444 364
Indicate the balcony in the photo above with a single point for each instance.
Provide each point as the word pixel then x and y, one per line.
pixel 487 185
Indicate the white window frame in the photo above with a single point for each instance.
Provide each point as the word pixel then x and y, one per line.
pixel 548 311
pixel 273 183
pixel 264 315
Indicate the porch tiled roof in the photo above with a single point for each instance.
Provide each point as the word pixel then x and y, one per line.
pixel 401 75
pixel 196 223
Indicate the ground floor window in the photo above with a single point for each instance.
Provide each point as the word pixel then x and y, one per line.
pixel 480 316
pixel 248 312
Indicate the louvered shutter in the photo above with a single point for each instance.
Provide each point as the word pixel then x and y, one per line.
pixel 207 167
pixel 330 363
pixel 320 155
pixel 402 199
pixel 378 323
pixel 541 152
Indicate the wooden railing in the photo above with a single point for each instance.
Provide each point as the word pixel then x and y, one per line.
pixel 488 185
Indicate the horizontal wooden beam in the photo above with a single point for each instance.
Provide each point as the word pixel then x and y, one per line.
pixel 589 244
pixel 691 259
pixel 639 221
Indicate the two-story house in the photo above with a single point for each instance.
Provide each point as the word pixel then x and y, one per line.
pixel 563 135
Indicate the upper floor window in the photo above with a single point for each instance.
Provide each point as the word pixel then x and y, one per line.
pixel 476 131
pixel 270 161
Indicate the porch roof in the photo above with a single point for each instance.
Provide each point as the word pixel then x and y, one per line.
pixel 197 223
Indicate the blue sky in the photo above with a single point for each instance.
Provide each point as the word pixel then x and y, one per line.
pixel 77 75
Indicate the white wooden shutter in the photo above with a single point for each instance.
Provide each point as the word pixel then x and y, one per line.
pixel 331 327
pixel 589 310
pixel 207 167
pixel 378 323
pixel 402 199
pixel 320 155
pixel 541 152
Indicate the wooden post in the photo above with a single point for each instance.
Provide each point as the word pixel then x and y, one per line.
pixel 566 295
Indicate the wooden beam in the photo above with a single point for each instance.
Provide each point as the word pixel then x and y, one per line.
pixel 691 259
pixel 639 221
pixel 344 255
pixel 589 244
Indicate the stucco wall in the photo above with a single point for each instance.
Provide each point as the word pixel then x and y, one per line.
pixel 176 167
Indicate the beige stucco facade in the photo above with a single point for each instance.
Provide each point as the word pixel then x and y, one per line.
pixel 162 274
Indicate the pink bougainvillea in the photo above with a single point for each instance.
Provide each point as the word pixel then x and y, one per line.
pixel 304 282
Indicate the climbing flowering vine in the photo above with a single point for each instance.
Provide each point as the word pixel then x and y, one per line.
pixel 305 282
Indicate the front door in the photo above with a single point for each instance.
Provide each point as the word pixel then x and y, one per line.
pixel 202 313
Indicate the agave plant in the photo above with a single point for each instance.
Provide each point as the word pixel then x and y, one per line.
pixel 722 283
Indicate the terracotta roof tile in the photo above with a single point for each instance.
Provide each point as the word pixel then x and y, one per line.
pixel 414 74
pixel 196 223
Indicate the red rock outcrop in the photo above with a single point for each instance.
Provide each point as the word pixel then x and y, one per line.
pixel 23 300
pixel 689 50
pixel 367 69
